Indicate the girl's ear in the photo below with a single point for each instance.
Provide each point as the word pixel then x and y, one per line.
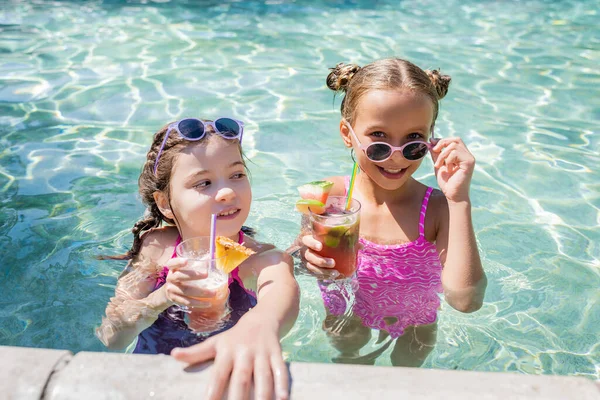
pixel 163 204
pixel 345 134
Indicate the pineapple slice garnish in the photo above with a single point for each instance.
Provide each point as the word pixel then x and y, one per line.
pixel 230 254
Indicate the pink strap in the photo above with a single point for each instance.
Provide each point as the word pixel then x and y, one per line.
pixel 423 205
pixel 176 244
pixel 424 211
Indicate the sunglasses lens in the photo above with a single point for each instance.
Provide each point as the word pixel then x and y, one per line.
pixel 191 128
pixel 415 151
pixel 227 127
pixel 378 152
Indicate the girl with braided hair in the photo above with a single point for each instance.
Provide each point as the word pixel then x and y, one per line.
pixel 195 168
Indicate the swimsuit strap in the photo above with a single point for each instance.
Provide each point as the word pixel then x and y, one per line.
pixel 423 205
pixel 175 248
pixel 424 211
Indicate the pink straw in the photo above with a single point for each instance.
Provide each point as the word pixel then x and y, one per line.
pixel 213 229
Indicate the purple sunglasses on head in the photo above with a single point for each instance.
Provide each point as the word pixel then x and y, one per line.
pixel 194 129
pixel 381 151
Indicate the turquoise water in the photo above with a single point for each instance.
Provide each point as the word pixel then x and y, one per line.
pixel 83 85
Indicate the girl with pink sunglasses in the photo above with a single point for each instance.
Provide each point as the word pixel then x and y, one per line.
pixel 416 241
pixel 194 169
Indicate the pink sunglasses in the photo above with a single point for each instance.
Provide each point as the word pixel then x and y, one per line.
pixel 381 151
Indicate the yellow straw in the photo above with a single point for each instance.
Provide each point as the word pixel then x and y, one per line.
pixel 351 187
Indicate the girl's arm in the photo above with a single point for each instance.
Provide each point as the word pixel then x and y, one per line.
pixel 250 351
pixel 134 307
pixel 463 277
pixel 271 276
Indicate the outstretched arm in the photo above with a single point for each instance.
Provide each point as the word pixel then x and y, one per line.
pixel 251 351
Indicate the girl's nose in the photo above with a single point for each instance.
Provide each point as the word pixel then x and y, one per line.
pixel 225 194
pixel 397 157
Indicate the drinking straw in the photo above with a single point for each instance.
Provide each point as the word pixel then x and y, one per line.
pixel 213 226
pixel 351 187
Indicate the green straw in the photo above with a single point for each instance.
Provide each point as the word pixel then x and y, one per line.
pixel 351 187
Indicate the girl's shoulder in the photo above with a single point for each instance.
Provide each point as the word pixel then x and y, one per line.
pixel 257 246
pixel 339 185
pixel 438 208
pixel 158 244
pixel 263 249
pixel 266 255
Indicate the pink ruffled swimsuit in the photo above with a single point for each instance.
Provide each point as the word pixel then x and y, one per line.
pixel 398 285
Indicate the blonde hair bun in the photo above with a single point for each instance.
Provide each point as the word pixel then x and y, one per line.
pixel 340 76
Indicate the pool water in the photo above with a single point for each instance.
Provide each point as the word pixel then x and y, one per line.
pixel 83 86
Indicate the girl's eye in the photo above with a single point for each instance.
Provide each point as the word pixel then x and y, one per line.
pixel 378 134
pixel 415 135
pixel 202 184
pixel 238 175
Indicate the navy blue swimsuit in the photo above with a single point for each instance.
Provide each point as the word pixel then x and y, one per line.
pixel 170 330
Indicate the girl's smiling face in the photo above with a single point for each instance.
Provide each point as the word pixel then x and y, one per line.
pixel 210 177
pixel 395 117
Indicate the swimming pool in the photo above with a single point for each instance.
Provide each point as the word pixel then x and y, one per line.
pixel 83 85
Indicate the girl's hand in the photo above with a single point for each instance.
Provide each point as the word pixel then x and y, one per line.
pixel 180 287
pixel 454 165
pixel 319 266
pixel 250 351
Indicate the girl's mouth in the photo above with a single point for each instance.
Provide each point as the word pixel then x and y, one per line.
pixel 392 173
pixel 230 213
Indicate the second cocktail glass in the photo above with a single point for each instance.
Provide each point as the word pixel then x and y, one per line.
pixel 337 229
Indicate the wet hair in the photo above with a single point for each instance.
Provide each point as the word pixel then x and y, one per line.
pixel 149 182
pixel 385 74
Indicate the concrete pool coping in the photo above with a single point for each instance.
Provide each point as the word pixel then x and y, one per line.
pixel 31 373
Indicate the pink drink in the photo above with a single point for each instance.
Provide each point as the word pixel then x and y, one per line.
pixel 215 313
pixel 212 317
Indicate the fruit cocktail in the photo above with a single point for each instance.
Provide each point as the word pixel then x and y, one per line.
pixel 337 229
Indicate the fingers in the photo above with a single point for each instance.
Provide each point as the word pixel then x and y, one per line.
pixel 317 260
pixel 241 378
pixel 280 377
pixel 452 151
pixel 185 292
pixel 321 273
pixel 309 254
pixel 263 379
pixel 197 353
pixel 441 143
pixel 220 374
pixel 176 263
pixel 445 152
pixel 312 243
